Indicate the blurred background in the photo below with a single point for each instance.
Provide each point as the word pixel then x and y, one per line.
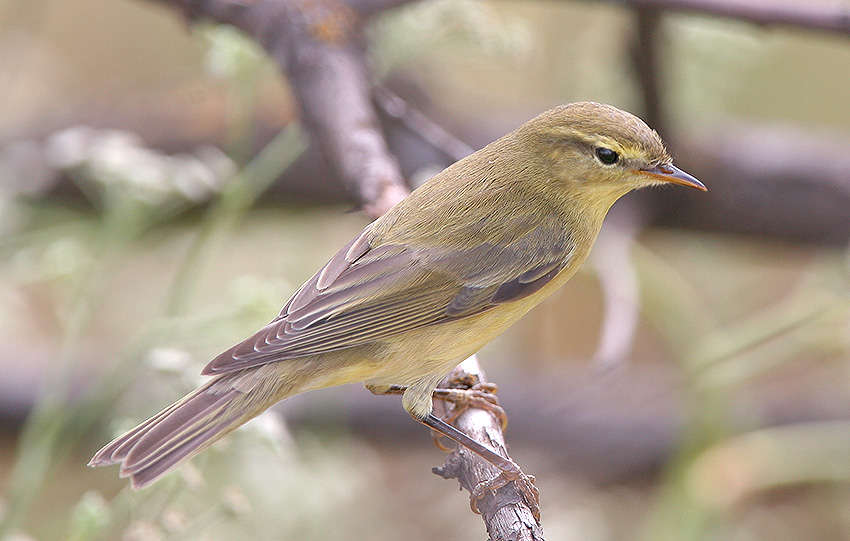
pixel 158 203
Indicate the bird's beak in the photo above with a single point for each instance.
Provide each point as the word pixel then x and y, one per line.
pixel 671 173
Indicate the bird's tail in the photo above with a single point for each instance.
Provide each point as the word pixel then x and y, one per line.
pixel 188 426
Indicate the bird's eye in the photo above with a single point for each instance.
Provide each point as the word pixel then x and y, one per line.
pixel 607 156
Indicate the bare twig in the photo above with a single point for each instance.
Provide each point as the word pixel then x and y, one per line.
pixel 431 132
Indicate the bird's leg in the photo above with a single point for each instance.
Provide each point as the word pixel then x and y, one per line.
pixel 481 396
pixel 478 395
pixel 510 471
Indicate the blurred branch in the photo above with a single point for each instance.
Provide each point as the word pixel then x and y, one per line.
pixel 618 279
pixel 317 44
pixel 772 181
pixel 396 107
pixel 644 58
pixel 757 173
pixel 833 17
pixel 752 192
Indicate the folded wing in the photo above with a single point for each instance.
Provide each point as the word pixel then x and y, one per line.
pixel 372 290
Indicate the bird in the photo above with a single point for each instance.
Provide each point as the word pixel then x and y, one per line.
pixel 425 285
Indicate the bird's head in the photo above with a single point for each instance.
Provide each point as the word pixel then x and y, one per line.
pixel 600 153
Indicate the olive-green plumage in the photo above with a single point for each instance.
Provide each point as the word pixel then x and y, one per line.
pixel 427 284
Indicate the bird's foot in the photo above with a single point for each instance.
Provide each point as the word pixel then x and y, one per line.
pixel 524 483
pixel 477 395
pixel 509 470
pixel 480 395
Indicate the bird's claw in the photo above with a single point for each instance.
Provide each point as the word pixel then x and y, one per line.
pixel 480 395
pixel 525 484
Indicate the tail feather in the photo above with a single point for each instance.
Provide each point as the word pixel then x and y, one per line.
pixel 180 431
pixel 116 450
pixel 168 458
pixel 178 428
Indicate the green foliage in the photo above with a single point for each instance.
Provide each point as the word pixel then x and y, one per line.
pixel 449 27
pixel 728 456
pixel 134 190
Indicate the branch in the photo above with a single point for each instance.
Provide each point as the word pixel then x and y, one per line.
pixel 317 44
pixel 834 17
pixel 504 511
pixel 759 177
pixel 643 53
pixel 416 122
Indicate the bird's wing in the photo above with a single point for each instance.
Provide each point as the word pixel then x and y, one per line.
pixel 369 291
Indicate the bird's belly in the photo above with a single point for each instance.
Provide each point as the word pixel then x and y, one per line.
pixel 432 351
pixel 427 353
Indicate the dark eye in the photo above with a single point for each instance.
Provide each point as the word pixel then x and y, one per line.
pixel 607 156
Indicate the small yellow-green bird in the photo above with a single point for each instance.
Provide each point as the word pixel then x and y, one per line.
pixel 425 285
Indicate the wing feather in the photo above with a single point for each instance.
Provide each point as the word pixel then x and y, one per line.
pixel 371 290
